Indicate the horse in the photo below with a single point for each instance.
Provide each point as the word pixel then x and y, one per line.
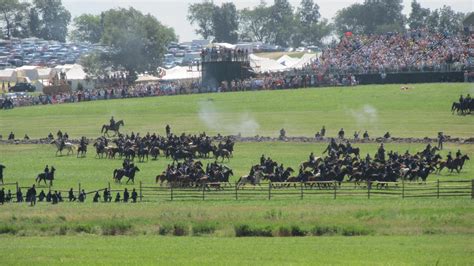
pixel 46 176
pixel 130 173
pixel 455 164
pixel 1 172
pixel 142 154
pixel 82 150
pixel 116 128
pixel 222 153
pixel 71 148
pixel 255 180
pixel 314 164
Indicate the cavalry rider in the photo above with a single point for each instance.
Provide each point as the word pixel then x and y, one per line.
pixel 461 99
pixel 341 133
pixel 262 160
pixel 458 154
pixel 46 171
pixel 83 144
pixel 387 135
pixel 112 122
pixel 450 158
pixel 311 158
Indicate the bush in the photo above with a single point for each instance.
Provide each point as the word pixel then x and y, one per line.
pixel 297 231
pixel 246 230
pixel 8 229
pixel 180 230
pixel 319 230
pixel 63 230
pixel 204 228
pixel 284 231
pixel 165 229
pixel 84 228
pixel 115 228
pixel 355 231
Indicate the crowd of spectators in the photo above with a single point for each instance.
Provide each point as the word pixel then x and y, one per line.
pixel 416 50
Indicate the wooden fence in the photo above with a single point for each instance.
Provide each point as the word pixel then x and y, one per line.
pixel 269 191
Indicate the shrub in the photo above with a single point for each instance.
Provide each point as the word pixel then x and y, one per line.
pixel 246 230
pixel 115 228
pixel 63 230
pixel 320 230
pixel 165 229
pixel 355 231
pixel 204 228
pixel 84 228
pixel 180 230
pixel 284 231
pixel 8 229
pixel 297 231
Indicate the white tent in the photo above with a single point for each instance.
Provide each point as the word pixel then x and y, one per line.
pixel 181 73
pixel 261 65
pixel 287 61
pixel 304 60
pixel 146 78
pixel 8 75
pixel 46 73
pixel 76 75
pixel 30 72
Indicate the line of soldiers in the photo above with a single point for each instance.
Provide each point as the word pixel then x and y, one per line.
pixel 107 197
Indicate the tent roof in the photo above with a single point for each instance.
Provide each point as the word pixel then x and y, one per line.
pixel 45 73
pixel 180 73
pixel 260 64
pixel 147 78
pixel 76 73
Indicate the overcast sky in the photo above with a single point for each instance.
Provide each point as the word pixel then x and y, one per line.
pixel 173 12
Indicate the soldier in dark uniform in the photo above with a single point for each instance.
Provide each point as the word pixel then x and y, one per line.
pixel 168 130
pixel 387 135
pixel 282 133
pixel 59 134
pixel 441 139
pixel 32 195
pixel 96 197
pixel 106 195
pixel 381 153
pixel 356 135
pixel 366 135
pixel 41 196
pixel 458 154
pixel 55 198
pixel 71 196
pixel 117 197
pixel 11 136
pixel 82 196
pixel 341 133
pixel 311 158
pixel 19 195
pixel 126 195
pixel 262 160
pixel 2 196
pixel 112 122
pixel 323 131
pixel 134 196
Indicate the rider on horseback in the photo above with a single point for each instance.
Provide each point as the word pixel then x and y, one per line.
pixel 458 154
pixel 112 122
pixel 311 158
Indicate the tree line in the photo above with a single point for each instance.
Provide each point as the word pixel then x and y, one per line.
pixel 285 25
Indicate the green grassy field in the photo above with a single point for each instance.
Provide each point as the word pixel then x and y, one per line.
pixel 391 231
pixel 419 112
pixel 90 250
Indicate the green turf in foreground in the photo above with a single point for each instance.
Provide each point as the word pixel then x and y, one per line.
pixel 144 250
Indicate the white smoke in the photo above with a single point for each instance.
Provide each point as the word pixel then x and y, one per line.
pixel 212 117
pixel 365 116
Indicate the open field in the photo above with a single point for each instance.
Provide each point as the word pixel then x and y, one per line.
pixel 346 230
pixel 145 250
pixel 422 111
pixel 24 162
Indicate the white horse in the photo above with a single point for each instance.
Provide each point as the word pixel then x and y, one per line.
pixel 71 148
pixel 257 177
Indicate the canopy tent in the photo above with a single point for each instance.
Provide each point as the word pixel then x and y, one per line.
pixel 8 75
pixel 146 78
pixel 304 60
pixel 76 73
pixel 287 61
pixel 181 73
pixel 30 72
pixel 261 65
pixel 46 73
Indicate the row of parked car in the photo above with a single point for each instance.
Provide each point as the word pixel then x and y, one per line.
pixel 33 51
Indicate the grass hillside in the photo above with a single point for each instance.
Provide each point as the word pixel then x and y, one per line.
pixel 421 111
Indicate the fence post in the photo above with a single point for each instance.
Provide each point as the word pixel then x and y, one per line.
pixel 236 193
pixel 79 188
pixel 203 191
pixel 368 188
pixel 437 189
pixel 16 183
pixel 109 188
pixel 269 190
pixel 335 189
pixel 301 188
pixel 171 191
pixel 403 188
pixel 472 189
pixel 141 194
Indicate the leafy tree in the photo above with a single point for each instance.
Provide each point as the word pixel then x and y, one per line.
pixel 449 20
pixel 309 30
pixel 137 41
pixel 282 22
pixel 53 19
pixel 225 23
pixel 255 23
pixel 418 16
pixel 87 28
pixel 371 17
pixel 202 15
pixel 13 17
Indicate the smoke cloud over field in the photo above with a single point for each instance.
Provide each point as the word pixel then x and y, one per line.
pixel 212 117
pixel 365 116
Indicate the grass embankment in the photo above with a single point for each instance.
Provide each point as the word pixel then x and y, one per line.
pixel 422 111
